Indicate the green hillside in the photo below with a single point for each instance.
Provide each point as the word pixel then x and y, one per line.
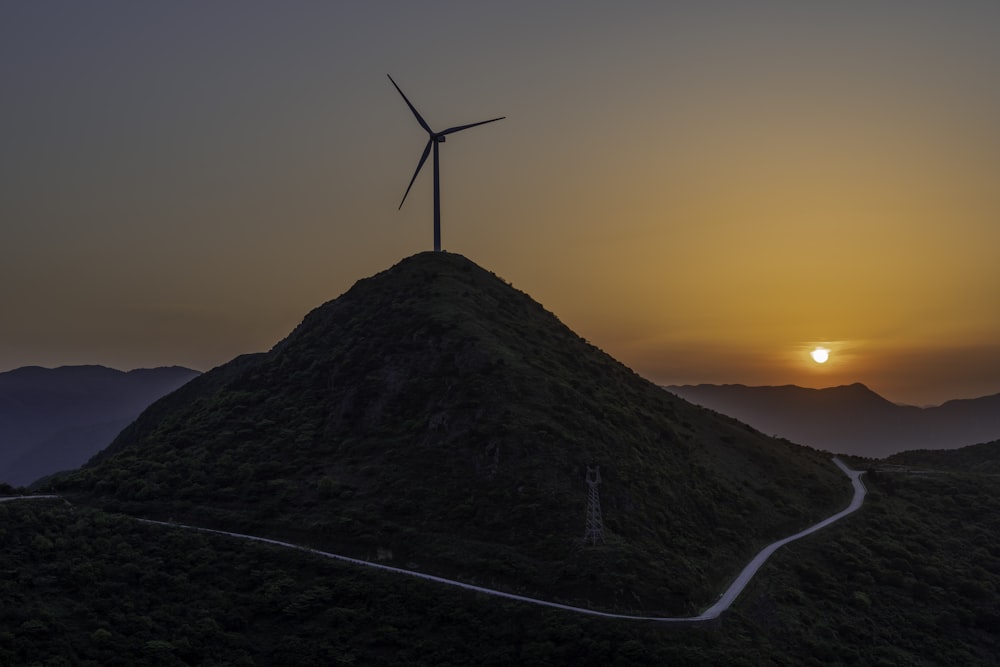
pixel 436 418
pixel 909 580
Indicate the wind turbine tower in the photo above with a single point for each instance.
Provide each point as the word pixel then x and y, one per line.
pixel 433 139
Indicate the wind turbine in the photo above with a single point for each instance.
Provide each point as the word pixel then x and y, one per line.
pixel 433 139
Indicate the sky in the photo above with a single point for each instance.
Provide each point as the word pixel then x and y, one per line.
pixel 705 190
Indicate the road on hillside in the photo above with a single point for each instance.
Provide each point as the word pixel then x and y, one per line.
pixel 746 575
pixel 9 498
pixel 713 612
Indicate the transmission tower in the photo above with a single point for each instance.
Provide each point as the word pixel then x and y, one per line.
pixel 595 524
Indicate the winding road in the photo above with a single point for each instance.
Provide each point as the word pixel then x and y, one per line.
pixel 9 498
pixel 713 612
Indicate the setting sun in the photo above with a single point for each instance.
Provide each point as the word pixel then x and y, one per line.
pixel 820 355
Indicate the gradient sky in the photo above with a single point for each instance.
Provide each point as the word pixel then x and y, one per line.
pixel 706 190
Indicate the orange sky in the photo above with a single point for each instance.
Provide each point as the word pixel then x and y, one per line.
pixel 705 190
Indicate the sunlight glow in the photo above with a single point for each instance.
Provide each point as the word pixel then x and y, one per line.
pixel 820 355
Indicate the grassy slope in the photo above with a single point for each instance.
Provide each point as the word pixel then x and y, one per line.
pixel 911 579
pixel 436 414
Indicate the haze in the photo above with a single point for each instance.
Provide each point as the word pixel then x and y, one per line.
pixel 705 190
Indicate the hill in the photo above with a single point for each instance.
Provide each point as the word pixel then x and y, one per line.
pixel 910 579
pixel 983 458
pixel 851 419
pixel 54 419
pixel 436 418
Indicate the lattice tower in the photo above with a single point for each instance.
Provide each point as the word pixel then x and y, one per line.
pixel 595 524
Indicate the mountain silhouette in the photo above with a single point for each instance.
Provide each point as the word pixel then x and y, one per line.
pixel 437 418
pixel 54 419
pixel 851 419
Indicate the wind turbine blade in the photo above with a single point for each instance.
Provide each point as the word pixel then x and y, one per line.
pixel 416 113
pixel 423 158
pixel 465 127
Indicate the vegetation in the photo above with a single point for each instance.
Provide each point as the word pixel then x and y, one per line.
pixel 910 579
pixel 88 588
pixel 435 417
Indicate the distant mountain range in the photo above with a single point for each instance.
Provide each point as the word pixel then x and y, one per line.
pixel 851 419
pixel 54 419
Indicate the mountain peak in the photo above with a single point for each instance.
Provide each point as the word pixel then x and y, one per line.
pixel 435 413
pixel 856 388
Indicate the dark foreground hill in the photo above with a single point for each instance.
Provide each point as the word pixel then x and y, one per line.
pixel 851 419
pixel 54 419
pixel 911 579
pixel 436 418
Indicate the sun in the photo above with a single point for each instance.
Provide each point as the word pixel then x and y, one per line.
pixel 820 355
